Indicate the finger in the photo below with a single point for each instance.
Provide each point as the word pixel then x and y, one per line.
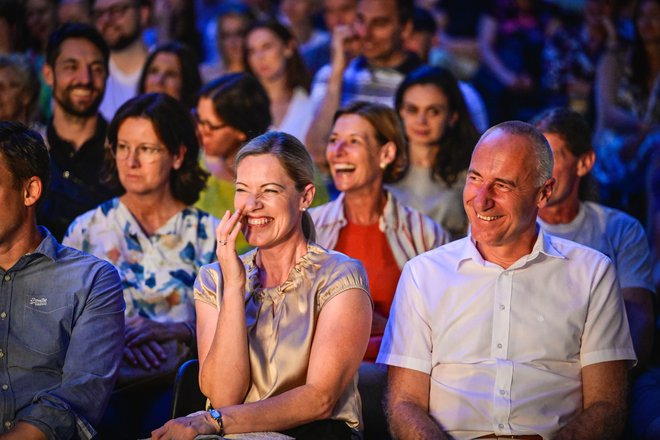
pixel 158 350
pixel 142 361
pixel 238 226
pixel 130 357
pixel 231 229
pixel 149 354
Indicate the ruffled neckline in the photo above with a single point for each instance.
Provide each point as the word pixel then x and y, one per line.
pixel 293 280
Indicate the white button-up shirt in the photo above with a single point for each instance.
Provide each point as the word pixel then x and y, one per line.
pixel 505 347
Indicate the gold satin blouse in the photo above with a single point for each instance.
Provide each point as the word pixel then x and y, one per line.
pixel 281 320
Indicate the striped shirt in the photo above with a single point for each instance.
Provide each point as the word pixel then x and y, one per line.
pixel 408 231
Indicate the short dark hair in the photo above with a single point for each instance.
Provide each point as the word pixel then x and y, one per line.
pixel 190 78
pixel 569 125
pixel 388 128
pixel 241 101
pixel 174 126
pixel 297 74
pixel 423 21
pixel 405 10
pixel 25 152
pixel 75 30
pixel 458 140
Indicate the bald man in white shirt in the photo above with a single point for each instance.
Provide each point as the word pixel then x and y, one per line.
pixel 509 332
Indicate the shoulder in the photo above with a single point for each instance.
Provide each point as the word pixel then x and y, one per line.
pixel 576 254
pixel 100 215
pixel 417 222
pixel 327 213
pixel 74 263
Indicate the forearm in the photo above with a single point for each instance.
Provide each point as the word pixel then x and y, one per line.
pixel 408 421
pixel 601 421
pixel 293 408
pixel 319 130
pixel 24 431
pixel 225 371
pixel 640 320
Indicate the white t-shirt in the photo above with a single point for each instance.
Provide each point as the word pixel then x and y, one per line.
pixel 298 116
pixel 120 88
pixel 504 348
pixel 614 233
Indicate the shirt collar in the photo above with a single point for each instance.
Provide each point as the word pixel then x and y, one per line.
pixel 410 63
pixel 542 245
pixel 49 247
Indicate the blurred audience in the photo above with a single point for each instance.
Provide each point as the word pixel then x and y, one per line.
pixel 171 68
pixel 19 90
pixel 158 242
pixel 174 20
pixel 13 33
pixel 628 111
pixel 74 11
pixel 272 56
pixel 77 69
pixel 441 137
pixel 122 22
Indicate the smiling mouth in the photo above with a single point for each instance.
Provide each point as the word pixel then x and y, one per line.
pixel 488 218
pixel 258 221
pixel 343 167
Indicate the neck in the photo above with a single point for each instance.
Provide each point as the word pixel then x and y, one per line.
pixel 394 60
pixel 366 206
pixel 152 211
pixel 422 155
pixel 561 213
pixel 221 167
pixel 505 255
pixel 132 58
pixel 23 241
pixel 74 129
pixel 302 32
pixel 277 89
pixel 276 263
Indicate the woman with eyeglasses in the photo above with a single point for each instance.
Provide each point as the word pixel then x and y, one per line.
pixel 157 241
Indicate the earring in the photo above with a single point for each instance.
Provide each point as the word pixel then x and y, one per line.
pixel 303 209
pixel 383 165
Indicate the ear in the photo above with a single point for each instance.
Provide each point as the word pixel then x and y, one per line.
pixel 585 163
pixel 452 119
pixel 407 30
pixel 32 191
pixel 290 49
pixel 545 192
pixel 308 196
pixel 47 72
pixel 178 158
pixel 387 154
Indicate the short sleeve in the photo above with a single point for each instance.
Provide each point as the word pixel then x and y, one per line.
pixel 208 284
pixel 634 261
pixel 342 275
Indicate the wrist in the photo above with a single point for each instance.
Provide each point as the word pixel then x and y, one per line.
pixel 216 417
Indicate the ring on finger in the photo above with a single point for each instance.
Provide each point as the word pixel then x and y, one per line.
pixel 222 242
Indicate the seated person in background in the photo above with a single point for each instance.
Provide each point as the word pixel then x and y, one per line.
pixel 610 231
pixel 441 137
pixel 468 339
pixel 19 89
pixel 172 68
pixel 367 149
pixel 157 241
pixel 62 320
pixel 276 351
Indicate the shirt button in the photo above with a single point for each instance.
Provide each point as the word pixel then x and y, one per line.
pixel 5 387
pixel 8 424
pixel 2 354
pixel 499 345
pixel 502 307
pixel 7 277
pixel 66 174
pixel 502 392
pixel 501 426
pixel 3 315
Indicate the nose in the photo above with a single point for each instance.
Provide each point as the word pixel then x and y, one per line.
pixel 421 117
pixel 133 158
pixel 84 75
pixel 482 200
pixel 251 203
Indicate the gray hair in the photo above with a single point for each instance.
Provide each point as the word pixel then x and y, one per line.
pixel 294 158
pixel 539 144
pixel 26 76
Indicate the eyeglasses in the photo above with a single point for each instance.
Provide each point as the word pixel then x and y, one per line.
pixel 114 11
pixel 208 126
pixel 145 153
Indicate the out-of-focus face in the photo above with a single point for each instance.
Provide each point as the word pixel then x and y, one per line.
pixel 164 75
pixel 379 30
pixel 40 18
pixel 297 11
pixel 143 163
pixel 420 43
pixel 267 54
pixel 78 77
pixel 74 11
pixel 565 171
pixel 119 21
pixel 13 98
pixel 217 138
pixel 338 12
pixel 648 22
pixel 425 114
pixel 501 195
pixel 231 33
pixel 271 204
pixel 595 11
pixel 355 156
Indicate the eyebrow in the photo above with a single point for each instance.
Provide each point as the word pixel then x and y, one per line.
pixel 265 184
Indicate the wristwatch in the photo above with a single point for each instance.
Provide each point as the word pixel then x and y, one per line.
pixel 217 416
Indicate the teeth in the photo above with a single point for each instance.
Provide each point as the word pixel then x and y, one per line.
pixel 488 218
pixel 259 221
pixel 343 167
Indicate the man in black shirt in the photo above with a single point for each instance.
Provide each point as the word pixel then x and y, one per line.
pixel 77 70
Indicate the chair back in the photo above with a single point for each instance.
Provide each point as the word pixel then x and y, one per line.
pixel 187 397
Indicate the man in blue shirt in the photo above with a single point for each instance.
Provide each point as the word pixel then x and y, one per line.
pixel 61 311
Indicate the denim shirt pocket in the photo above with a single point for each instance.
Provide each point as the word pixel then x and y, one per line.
pixel 46 323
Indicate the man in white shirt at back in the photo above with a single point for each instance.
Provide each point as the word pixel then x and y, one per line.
pixel 509 331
